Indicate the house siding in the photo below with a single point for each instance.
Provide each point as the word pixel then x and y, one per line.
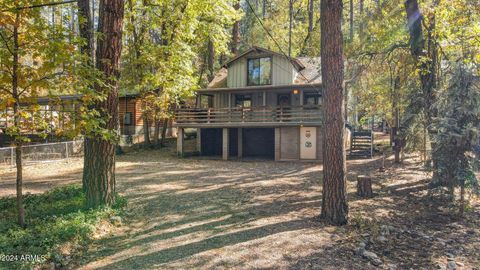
pixel 283 73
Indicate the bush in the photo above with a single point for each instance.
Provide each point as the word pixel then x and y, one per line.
pixel 54 219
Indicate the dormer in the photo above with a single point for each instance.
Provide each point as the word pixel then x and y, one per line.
pixel 261 67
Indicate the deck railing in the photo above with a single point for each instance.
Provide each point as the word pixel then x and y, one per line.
pixel 212 116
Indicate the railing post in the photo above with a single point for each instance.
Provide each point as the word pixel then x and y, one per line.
pixel 208 115
pixel 11 156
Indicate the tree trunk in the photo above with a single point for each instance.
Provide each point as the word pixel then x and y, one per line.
pixel 211 60
pixel 86 28
pixel 164 132
pixel 146 129
pixel 17 122
pixel 310 17
pixel 364 186
pixel 156 132
pixel 99 161
pixel 334 203
pixel 351 21
pixel 235 32
pixel 396 120
pixel 290 25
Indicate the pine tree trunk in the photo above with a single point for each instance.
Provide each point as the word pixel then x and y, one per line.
pixel 310 17
pixel 99 161
pixel 235 32
pixel 334 204
pixel 210 60
pixel 85 28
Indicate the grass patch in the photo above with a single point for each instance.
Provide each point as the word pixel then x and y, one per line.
pixel 58 223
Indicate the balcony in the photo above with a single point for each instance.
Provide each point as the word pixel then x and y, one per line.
pixel 249 117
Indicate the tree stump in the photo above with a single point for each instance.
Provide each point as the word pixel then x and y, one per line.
pixel 364 186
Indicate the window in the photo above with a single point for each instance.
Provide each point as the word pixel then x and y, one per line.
pixel 310 99
pixel 206 101
pixel 259 71
pixel 127 118
pixel 244 101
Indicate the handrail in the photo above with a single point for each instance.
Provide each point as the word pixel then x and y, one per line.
pixel 261 114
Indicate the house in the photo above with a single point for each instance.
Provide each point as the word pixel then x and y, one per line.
pixel 260 104
pixel 63 109
pixel 130 112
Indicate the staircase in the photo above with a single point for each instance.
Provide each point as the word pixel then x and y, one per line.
pixel 361 144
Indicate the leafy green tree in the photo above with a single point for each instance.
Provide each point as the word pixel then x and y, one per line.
pixel 101 98
pixel 162 53
pixel 35 59
pixel 457 126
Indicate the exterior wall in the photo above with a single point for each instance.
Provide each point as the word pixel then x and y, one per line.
pixel 289 143
pixel 283 73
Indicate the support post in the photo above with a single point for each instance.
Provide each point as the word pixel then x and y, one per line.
pixel 12 161
pixel 180 142
pixel 277 144
pixel 199 141
pixel 240 143
pixel 225 141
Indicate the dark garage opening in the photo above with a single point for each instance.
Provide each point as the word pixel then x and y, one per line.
pixel 259 142
pixel 233 142
pixel 211 141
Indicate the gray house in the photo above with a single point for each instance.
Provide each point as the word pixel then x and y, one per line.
pixel 260 104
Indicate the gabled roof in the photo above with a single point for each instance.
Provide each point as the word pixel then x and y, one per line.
pixel 310 74
pixel 297 64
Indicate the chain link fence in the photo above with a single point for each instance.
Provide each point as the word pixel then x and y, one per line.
pixel 46 152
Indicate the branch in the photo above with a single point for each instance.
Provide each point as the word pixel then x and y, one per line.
pixel 6 43
pixel 39 80
pixel 6 90
pixel 39 5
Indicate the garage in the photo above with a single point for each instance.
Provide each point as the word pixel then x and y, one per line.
pixel 211 141
pixel 259 142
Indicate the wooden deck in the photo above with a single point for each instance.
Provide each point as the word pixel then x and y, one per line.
pixel 249 117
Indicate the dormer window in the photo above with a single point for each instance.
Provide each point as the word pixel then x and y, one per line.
pixel 259 71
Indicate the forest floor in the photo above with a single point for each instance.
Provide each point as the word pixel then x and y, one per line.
pixel 196 213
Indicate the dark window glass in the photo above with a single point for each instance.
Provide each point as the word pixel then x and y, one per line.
pixel 311 99
pixel 259 71
pixel 243 101
pixel 127 118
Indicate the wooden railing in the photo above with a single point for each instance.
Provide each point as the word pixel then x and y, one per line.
pixel 212 116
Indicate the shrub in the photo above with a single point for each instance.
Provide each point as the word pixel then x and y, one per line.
pixel 55 218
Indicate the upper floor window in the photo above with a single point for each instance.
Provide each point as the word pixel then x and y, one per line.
pixel 259 71
pixel 244 101
pixel 311 99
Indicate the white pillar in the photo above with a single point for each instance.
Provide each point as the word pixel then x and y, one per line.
pixel 180 142
pixel 225 141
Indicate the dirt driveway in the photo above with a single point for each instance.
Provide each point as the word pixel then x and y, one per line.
pixel 206 214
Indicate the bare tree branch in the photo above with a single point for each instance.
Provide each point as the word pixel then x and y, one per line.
pixel 39 5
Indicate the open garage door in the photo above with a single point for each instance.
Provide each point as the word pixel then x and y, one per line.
pixel 211 141
pixel 259 142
